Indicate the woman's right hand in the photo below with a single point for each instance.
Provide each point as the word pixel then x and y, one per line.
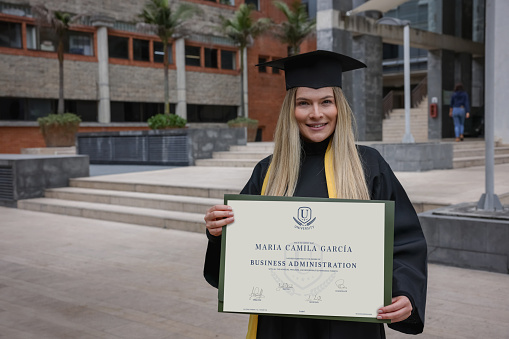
pixel 216 217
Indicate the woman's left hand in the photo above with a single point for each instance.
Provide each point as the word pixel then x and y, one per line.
pixel 399 310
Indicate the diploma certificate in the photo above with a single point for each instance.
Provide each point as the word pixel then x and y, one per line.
pixel 307 257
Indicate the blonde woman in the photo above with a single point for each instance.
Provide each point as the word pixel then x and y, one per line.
pixel 315 124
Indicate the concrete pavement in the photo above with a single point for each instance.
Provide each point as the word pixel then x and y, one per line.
pixel 69 277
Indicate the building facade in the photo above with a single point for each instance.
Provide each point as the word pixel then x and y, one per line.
pixel 113 73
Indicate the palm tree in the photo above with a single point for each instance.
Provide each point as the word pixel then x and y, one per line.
pixel 60 23
pixel 242 29
pixel 297 28
pixel 163 19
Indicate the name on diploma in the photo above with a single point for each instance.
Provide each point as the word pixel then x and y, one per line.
pixel 307 257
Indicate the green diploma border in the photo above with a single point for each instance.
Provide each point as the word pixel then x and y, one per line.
pixel 388 253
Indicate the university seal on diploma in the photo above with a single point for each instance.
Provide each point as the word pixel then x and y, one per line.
pixel 307 257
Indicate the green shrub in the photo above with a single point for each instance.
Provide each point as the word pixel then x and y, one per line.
pixel 59 119
pixel 162 121
pixel 242 120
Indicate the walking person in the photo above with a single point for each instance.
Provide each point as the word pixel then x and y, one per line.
pixel 315 128
pixel 460 110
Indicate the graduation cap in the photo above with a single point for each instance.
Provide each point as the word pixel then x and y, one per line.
pixel 315 69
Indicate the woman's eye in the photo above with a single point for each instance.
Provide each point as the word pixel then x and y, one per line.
pixel 302 103
pixel 327 102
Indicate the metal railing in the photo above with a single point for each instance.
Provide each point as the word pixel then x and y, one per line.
pixel 388 104
pixel 419 92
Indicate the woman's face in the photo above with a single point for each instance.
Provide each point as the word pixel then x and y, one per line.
pixel 316 113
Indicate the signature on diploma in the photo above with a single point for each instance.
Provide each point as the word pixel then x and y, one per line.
pixel 314 298
pixel 284 287
pixel 256 293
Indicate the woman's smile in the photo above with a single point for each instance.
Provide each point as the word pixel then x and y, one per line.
pixel 316 113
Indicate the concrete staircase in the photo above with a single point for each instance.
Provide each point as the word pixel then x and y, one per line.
pixel 181 203
pixel 470 153
pixel 239 156
pixel 393 128
pixel 172 207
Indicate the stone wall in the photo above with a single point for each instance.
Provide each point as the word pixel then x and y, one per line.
pixel 212 88
pixel 416 157
pixel 32 174
pixel 127 11
pixel 37 77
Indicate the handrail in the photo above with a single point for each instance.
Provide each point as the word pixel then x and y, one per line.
pixel 388 104
pixel 419 92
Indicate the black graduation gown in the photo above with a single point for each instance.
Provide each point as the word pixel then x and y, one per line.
pixel 410 250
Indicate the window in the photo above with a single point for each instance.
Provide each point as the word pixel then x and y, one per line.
pixel 125 111
pixel 118 47
pixel 159 53
pixel 224 2
pixel 45 39
pixel 274 69
pixel 141 50
pixel 10 34
pixel 80 43
pixel 210 113
pixel 227 60
pixel 211 57
pixel 254 3
pixel 262 69
pixel 193 56
pixel 12 108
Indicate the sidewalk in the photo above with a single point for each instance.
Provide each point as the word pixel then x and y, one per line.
pixel 68 277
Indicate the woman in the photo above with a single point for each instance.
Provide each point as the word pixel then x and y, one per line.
pixel 459 105
pixel 315 123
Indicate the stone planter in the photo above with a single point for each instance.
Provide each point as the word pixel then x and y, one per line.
pixel 56 135
pixel 251 130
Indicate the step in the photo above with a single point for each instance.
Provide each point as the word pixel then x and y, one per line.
pixel 203 192
pixel 471 152
pixel 241 155
pixel 125 214
pixel 227 162
pixel 478 161
pixel 145 200
pixel 254 147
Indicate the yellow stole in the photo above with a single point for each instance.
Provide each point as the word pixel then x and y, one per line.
pixel 331 188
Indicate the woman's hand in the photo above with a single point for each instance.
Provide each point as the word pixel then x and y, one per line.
pixel 399 310
pixel 468 115
pixel 216 217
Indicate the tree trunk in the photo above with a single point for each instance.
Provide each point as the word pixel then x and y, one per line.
pixel 293 50
pixel 166 84
pixel 60 53
pixel 242 113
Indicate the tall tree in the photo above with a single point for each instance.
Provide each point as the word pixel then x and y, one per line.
pixel 60 22
pixel 242 29
pixel 165 19
pixel 297 27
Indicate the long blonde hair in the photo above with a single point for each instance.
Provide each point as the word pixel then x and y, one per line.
pixel 284 173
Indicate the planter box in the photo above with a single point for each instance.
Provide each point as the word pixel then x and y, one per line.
pixel 25 176
pixel 174 147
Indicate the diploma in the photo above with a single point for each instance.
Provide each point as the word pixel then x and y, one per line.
pixel 307 257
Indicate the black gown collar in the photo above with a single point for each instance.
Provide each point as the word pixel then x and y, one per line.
pixel 315 148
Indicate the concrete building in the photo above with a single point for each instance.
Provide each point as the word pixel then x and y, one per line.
pixel 448 46
pixel 113 75
pixel 107 59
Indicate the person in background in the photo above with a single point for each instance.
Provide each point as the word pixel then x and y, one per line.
pixel 460 110
pixel 315 156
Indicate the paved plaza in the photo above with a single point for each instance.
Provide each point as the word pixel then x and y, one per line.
pixel 69 277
